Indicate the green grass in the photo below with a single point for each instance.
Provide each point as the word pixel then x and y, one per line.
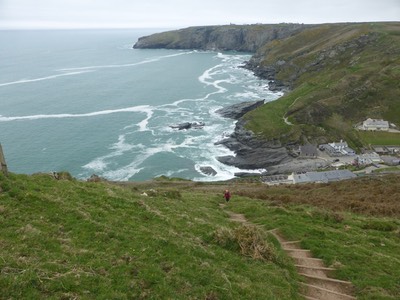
pixel 364 250
pixel 379 138
pixel 64 239
pixel 68 239
pixel 389 169
pixel 332 73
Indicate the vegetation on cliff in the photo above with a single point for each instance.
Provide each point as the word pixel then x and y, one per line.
pixel 248 38
pixel 63 239
pixel 338 74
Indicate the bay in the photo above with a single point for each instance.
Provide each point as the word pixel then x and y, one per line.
pixel 86 102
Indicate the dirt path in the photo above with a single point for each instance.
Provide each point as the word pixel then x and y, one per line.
pixel 317 285
pixel 235 217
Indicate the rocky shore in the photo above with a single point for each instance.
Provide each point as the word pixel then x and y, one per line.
pixel 253 153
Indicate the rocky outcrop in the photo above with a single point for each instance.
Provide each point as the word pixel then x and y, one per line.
pixel 248 38
pixel 237 111
pixel 252 152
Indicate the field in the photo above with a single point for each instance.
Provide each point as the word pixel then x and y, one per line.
pixel 65 239
pixel 379 138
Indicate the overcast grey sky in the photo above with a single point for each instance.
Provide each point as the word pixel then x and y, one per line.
pixel 181 13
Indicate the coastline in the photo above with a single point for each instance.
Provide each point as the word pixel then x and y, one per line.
pixel 253 153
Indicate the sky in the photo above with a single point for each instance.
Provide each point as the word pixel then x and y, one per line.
pixel 57 14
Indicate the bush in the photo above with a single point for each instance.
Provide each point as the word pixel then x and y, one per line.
pixel 248 240
pixel 65 176
pixel 225 238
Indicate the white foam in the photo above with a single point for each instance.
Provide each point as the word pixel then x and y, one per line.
pixel 146 61
pixel 97 165
pixel 141 108
pixel 143 124
pixel 44 78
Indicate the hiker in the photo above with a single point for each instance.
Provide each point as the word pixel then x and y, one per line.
pixel 227 195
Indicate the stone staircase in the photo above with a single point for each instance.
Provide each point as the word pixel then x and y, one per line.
pixel 318 284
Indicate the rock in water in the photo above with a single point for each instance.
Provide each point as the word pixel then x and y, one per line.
pixel 182 126
pixel 188 125
pixel 208 170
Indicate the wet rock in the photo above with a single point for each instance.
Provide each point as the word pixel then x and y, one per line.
pixel 208 170
pixel 251 152
pixel 188 125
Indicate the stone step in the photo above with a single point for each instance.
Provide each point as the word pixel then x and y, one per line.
pixel 324 294
pixel 308 261
pixel 291 245
pixel 298 253
pixel 344 287
pixel 315 271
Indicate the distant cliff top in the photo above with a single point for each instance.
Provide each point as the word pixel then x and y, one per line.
pixel 246 38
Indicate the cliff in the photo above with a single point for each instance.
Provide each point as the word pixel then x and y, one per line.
pixel 246 38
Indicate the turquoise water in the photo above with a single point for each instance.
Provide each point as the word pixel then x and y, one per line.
pixel 86 102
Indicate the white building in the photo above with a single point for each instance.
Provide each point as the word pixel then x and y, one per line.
pixel 341 148
pixel 375 125
pixel 369 158
pixel 322 177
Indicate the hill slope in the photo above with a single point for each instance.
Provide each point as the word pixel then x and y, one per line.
pixel 67 239
pixel 338 74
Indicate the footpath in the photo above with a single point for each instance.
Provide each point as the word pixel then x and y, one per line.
pixel 317 283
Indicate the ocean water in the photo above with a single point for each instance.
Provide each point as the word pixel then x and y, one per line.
pixel 86 102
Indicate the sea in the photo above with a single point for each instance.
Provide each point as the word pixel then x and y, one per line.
pixel 86 102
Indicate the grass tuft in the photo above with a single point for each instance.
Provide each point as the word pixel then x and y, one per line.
pixel 248 240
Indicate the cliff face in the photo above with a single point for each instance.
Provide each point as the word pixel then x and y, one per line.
pixel 246 38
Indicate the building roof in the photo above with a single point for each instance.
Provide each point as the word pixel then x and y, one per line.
pixel 348 150
pixel 308 150
pixel 339 144
pixel 327 176
pixel 375 122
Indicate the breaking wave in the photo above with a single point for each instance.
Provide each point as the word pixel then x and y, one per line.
pixel 144 108
pixel 44 78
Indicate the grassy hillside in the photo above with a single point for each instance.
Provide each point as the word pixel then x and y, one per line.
pixel 65 239
pixel 339 74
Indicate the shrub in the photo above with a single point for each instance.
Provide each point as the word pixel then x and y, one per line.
pixel 225 238
pixel 248 240
pixel 65 176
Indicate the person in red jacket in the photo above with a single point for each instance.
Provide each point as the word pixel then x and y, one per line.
pixel 227 195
